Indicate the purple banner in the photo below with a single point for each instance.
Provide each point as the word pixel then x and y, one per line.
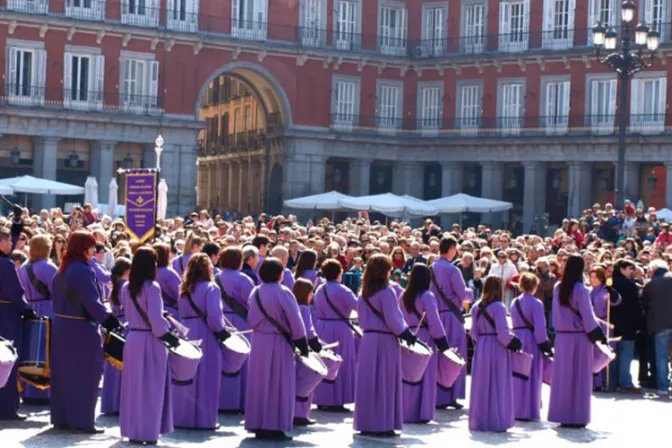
pixel 140 204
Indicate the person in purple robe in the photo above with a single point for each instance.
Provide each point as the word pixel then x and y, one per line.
pixel 529 325
pixel 270 393
pixel 110 397
pixel 416 301
pixel 168 279
pixel 491 398
pixel 303 291
pixel 235 288
pixel 36 277
pixel 13 310
pixel 306 267
pixel 451 292
pixel 576 329
pixel 195 403
pixel 378 393
pixel 101 273
pixel 250 263
pixel 212 251
pixel 282 254
pixel 398 289
pixel 77 348
pixel 334 302
pixel 602 297
pixel 146 402
pixel 192 246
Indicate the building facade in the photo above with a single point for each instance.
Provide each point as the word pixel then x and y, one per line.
pixel 499 98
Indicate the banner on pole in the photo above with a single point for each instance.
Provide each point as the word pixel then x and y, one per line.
pixel 140 204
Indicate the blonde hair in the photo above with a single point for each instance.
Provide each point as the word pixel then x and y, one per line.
pixel 40 247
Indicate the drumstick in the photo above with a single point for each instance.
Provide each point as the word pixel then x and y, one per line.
pixel 605 323
pixel 184 331
pixel 330 346
pixel 243 332
pixel 422 318
pixel 616 339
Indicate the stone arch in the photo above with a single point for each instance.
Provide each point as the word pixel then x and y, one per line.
pixel 265 86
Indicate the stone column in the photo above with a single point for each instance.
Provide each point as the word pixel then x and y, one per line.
pixel 579 188
pixel 102 167
pixel 202 184
pixel 318 166
pixel 222 183
pixel 632 174
pixel 212 187
pixel 492 188
pixel 534 195
pixel 45 164
pixel 360 177
pixel 452 175
pixel 178 167
pixel 668 185
pixel 242 186
pixel 148 156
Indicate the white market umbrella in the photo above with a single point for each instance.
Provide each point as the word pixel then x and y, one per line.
pixel 34 185
pixel 91 191
pixel 664 214
pixel 162 201
pixel 323 201
pixel 6 190
pixel 391 204
pixel 463 203
pixel 112 197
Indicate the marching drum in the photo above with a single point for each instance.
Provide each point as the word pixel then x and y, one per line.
pixel 414 360
pixel 235 351
pixel 333 362
pixel 450 364
pixel 184 360
pixel 34 360
pixel 8 358
pixel 521 364
pixel 547 370
pixel 310 371
pixel 603 355
pixel 113 347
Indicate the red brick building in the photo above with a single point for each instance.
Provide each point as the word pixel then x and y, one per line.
pixel 500 98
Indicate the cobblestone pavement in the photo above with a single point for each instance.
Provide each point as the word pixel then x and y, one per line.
pixel 618 421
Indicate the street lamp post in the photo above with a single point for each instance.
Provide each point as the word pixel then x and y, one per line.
pixel 625 61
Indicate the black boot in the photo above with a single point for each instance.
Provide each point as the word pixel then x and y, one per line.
pixel 302 421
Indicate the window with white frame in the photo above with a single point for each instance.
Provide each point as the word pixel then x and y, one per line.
pixel 83 80
pixel 473 29
pixel 85 9
pixel 655 13
pixel 431 107
pixel 139 83
pixel 182 15
pixel 29 6
pixel 648 103
pixel 393 30
pixel 511 107
pixel 558 24
pixel 433 30
pixel 249 19
pixel 469 106
pixel 556 109
pixel 140 12
pixel 346 26
pixel 344 102
pixel 513 25
pixel 389 105
pixel 602 107
pixel 313 23
pixel 605 12
pixel 26 74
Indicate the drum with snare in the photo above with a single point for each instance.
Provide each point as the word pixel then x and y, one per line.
pixel 184 360
pixel 34 360
pixel 521 365
pixel 333 362
pixel 310 371
pixel 113 348
pixel 603 355
pixel 547 369
pixel 414 360
pixel 8 357
pixel 235 351
pixel 450 364
pixel 468 322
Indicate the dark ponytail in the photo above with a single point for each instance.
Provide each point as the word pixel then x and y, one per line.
pixel 121 266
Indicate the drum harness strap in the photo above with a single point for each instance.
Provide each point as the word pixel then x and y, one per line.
pixel 484 312
pixel 168 300
pixel 338 312
pixel 141 312
pixel 232 303
pixel 275 323
pixel 202 315
pixel 72 297
pixel 380 316
pixel 38 284
pixel 457 312
pixel 527 322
